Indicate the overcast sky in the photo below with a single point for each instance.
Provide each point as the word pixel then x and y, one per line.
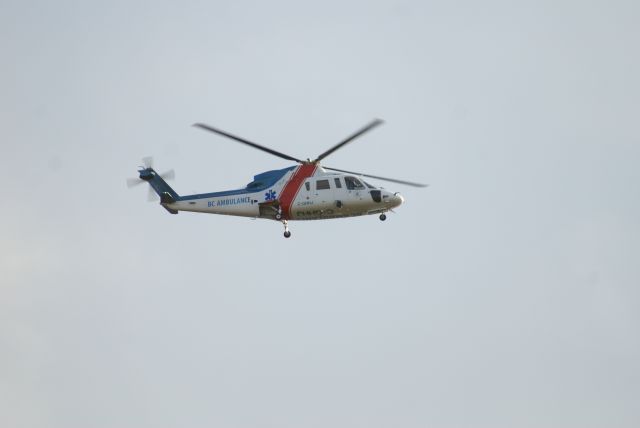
pixel 506 294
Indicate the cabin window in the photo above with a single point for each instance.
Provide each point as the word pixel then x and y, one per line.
pixel 307 185
pixel 338 183
pixel 353 183
pixel 322 185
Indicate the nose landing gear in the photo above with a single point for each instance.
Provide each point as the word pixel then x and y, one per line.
pixel 383 217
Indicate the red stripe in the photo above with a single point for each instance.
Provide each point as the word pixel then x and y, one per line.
pixel 291 189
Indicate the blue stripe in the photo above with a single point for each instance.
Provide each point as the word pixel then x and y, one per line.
pixel 260 182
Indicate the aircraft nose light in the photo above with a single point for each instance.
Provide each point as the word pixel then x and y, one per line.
pixel 398 198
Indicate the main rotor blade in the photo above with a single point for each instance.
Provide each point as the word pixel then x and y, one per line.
pixel 349 139
pixel 249 143
pixel 393 180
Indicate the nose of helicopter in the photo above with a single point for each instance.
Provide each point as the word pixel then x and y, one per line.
pixel 397 199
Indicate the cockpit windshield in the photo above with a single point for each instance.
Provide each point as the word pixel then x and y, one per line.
pixel 353 183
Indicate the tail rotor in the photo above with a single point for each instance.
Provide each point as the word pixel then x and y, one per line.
pixel 147 161
pixel 145 173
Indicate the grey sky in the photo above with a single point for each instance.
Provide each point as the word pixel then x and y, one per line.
pixel 506 294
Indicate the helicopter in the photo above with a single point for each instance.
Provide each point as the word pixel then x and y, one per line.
pixel 306 191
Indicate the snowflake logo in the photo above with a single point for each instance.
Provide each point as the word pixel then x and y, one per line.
pixel 270 196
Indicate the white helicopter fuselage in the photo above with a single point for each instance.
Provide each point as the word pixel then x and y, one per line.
pixel 302 192
pixel 305 191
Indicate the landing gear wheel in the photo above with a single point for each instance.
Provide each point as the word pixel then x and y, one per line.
pixel 287 234
pixel 383 217
pixel 278 216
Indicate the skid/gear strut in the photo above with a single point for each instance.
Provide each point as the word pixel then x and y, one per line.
pixel 287 233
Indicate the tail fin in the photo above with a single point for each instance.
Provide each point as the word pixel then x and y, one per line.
pixel 155 180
